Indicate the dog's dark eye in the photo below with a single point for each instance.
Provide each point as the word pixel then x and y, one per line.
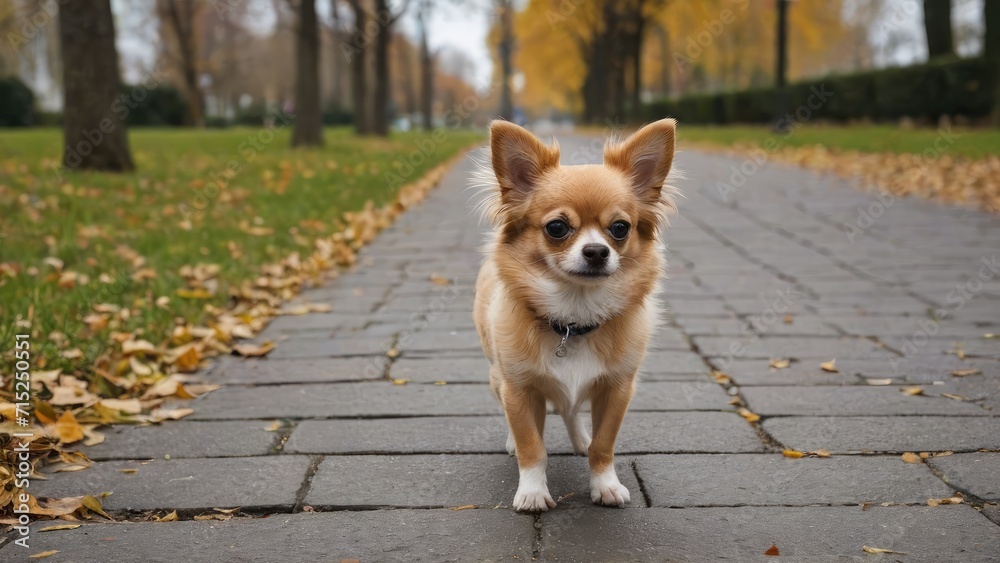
pixel 619 230
pixel 557 229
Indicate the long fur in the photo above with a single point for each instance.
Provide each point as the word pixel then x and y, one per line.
pixel 530 279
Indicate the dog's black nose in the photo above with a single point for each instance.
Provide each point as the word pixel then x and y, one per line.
pixel 596 254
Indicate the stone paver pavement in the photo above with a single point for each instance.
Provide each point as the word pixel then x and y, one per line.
pixel 328 459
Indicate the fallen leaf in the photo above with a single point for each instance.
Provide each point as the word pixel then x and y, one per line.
pixel 188 361
pixel 878 381
pixel 60 527
pixel 957 499
pixel 954 397
pixel 912 390
pixel 789 319
pixel 68 429
pixel 830 366
pixel 440 280
pixel 72 354
pixel 722 378
pixel 393 353
pixel 464 507
pixel 44 554
pixel 94 505
pixel 159 415
pixel 822 453
pixel 129 470
pixel 213 517
pixel 138 347
pixel 794 454
pixel 254 350
pixel 877 550
pixel 748 414
pixel 130 406
pixel 773 551
pixel 910 457
pixel 780 363
pixel 172 517
pixel 400 381
pixel 965 372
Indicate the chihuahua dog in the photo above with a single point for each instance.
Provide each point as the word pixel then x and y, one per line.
pixel 565 302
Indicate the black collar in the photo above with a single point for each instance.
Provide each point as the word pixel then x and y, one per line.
pixel 571 329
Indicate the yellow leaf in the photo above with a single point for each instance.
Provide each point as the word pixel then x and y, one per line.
pixel 254 350
pixel 213 517
pixel 172 517
pixel 877 550
pixel 130 406
pixel 910 457
pixel 400 381
pixel 159 415
pixel 138 347
pixel 780 363
pixel 794 454
pixel 393 353
pixel 830 366
pixel 440 280
pixel 94 505
pixel 748 414
pixel 822 453
pixel 912 390
pixel 957 499
pixel 189 360
pixel 464 507
pixel 68 429
pixel 60 527
pixel 44 554
pixel 965 372
pixel 954 397
pixel 720 377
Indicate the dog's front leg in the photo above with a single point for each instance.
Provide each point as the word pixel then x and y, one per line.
pixel 525 411
pixel 609 402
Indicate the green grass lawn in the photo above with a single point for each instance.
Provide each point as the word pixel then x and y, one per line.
pixel 972 143
pixel 124 238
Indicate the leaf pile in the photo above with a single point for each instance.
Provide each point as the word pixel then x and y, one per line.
pixel 946 179
pixel 136 371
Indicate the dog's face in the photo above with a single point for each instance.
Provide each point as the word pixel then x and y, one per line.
pixel 584 233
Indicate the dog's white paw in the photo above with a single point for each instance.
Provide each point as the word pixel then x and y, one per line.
pixel 533 500
pixel 511 449
pixel 606 489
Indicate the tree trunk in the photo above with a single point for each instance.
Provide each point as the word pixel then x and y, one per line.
pixel 426 76
pixel 335 59
pixel 358 51
pixel 182 22
pixel 506 53
pixel 937 25
pixel 380 114
pixel 308 128
pixel 94 128
pixel 781 66
pixel 636 56
pixel 991 49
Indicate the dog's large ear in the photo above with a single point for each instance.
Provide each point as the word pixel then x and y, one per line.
pixel 646 157
pixel 519 159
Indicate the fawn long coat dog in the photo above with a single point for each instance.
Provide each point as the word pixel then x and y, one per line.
pixel 565 303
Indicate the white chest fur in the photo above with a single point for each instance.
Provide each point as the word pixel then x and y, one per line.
pixel 575 371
